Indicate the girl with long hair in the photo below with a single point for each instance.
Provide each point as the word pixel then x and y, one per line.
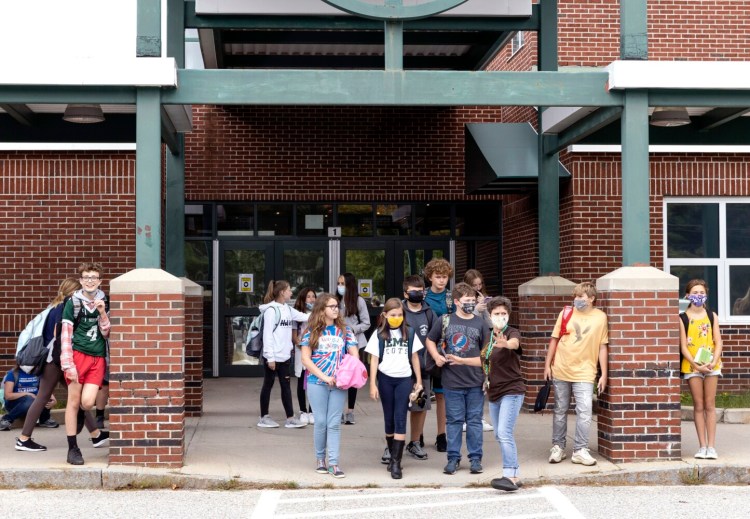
pixel 278 321
pixel 354 310
pixel 304 303
pixel 393 358
pixel 326 340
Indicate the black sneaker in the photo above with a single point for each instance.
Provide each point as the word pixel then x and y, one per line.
pixel 80 419
pixel 441 443
pixel 416 451
pixel 48 424
pixel 74 456
pixel 29 445
pixel 99 440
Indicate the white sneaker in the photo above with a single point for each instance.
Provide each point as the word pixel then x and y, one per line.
pixel 711 454
pixel 583 457
pixel 486 426
pixel 556 454
pixel 701 454
pixel 303 418
pixel 311 418
pixel 267 421
pixel 293 423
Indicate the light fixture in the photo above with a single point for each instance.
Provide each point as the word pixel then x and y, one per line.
pixel 84 114
pixel 670 116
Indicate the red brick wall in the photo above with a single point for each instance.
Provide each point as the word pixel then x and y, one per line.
pixel 194 355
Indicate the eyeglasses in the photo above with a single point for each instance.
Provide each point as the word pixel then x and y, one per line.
pixel 90 278
pixel 332 307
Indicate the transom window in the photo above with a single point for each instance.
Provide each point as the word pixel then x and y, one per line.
pixel 709 238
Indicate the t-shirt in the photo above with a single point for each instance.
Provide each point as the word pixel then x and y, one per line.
pixel 396 362
pixel 441 303
pixel 463 338
pixel 87 337
pixel 577 353
pixel 26 383
pixel 332 343
pixel 504 368
pixel 699 335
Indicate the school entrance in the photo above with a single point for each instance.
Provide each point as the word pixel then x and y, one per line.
pixel 234 250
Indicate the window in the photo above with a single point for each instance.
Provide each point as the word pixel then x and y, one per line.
pixel 709 238
pixel 516 43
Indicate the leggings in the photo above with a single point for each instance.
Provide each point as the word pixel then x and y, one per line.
pixel 394 396
pixel 47 382
pixel 269 376
pixel 301 395
pixel 352 393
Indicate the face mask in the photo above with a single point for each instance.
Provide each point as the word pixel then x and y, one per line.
pixel 309 306
pixel 499 321
pixel 697 299
pixel 468 307
pixel 395 322
pixel 341 289
pixel 580 304
pixel 415 296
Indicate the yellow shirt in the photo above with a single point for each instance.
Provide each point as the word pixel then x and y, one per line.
pixel 699 335
pixel 577 354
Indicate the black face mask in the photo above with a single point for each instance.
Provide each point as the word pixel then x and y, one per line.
pixel 415 296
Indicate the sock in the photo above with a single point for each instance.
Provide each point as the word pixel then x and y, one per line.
pixel 99 412
pixel 72 442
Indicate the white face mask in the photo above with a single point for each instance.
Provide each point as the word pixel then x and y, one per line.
pixel 499 321
pixel 341 289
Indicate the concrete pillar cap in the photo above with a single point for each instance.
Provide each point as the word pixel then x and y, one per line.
pixel 146 281
pixel 546 286
pixel 191 288
pixel 637 278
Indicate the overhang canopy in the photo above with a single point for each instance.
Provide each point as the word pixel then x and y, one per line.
pixel 502 158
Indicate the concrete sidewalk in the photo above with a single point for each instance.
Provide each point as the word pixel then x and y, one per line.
pixel 224 445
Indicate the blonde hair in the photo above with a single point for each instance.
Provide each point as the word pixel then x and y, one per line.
pixel 67 288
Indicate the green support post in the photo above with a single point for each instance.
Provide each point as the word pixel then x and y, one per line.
pixel 148 178
pixel 148 37
pixel 176 31
pixel 635 179
pixel 394 45
pixel 633 30
pixel 174 217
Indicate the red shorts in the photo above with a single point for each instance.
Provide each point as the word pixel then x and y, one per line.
pixel 90 369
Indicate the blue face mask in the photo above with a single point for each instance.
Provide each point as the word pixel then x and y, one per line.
pixel 309 306
pixel 341 289
pixel 580 304
pixel 697 299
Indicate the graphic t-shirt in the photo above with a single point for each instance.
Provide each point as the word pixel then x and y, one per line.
pixel 577 353
pixel 396 362
pixel 463 338
pixel 26 383
pixel 332 343
pixel 87 338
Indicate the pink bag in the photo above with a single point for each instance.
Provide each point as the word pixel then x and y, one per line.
pixel 350 373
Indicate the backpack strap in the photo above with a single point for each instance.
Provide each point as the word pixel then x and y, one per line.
pixel 278 318
pixel 567 313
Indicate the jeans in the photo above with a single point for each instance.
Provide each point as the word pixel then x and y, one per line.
pixel 584 394
pixel 464 405
pixel 20 406
pixel 394 396
pixel 269 376
pixel 327 403
pixel 503 413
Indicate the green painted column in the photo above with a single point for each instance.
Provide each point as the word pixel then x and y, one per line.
pixel 394 45
pixel 633 30
pixel 148 37
pixel 176 31
pixel 635 179
pixel 148 178
pixel 549 181
pixel 174 216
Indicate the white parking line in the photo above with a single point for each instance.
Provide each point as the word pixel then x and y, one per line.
pixel 561 503
pixel 267 503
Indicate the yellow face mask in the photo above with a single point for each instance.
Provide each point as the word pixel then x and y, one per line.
pixel 395 322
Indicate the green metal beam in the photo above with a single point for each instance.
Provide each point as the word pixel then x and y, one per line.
pixel 547 46
pixel 21 113
pixel 635 179
pixel 148 37
pixel 379 88
pixel 19 94
pixel 585 127
pixel 174 213
pixel 148 179
pixel 633 30
pixel 176 31
pixel 394 45
pixel 394 9
pixel 168 133
pixel 718 116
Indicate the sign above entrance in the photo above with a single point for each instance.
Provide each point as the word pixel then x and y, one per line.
pixel 246 283
pixel 365 288
pixel 334 232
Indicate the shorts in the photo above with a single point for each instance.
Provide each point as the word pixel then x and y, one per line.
pixel 437 385
pixel 90 369
pixel 714 373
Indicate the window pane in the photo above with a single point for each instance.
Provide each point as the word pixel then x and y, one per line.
pixel 198 261
pixel 368 264
pixel 393 220
pixel 739 289
pixel 693 230
pixel 355 219
pixel 198 220
pixel 706 273
pixel 304 268
pixel 477 219
pixel 235 220
pixel 433 220
pixel 275 220
pixel 313 219
pixel 738 230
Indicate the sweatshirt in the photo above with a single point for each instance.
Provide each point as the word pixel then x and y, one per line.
pixel 277 345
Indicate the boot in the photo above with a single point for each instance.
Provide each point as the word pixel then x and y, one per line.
pixel 385 459
pixel 396 453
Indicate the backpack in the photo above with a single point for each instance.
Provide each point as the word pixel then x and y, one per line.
pixel 254 346
pixel 31 352
pixel 685 323
pixel 78 315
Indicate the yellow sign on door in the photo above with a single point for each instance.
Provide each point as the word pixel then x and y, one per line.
pixel 246 284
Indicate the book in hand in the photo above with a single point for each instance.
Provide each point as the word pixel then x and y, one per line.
pixel 703 356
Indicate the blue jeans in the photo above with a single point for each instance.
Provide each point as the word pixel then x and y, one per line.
pixel 503 413
pixel 584 394
pixel 464 405
pixel 20 406
pixel 327 403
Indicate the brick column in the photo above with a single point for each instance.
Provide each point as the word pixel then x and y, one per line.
pixel 147 380
pixel 639 413
pixel 539 302
pixel 193 348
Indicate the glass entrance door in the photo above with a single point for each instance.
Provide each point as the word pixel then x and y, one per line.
pixel 245 269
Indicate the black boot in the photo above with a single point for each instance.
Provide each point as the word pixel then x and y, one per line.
pixel 385 459
pixel 396 453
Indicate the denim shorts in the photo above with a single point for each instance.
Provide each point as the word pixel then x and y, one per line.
pixel 714 373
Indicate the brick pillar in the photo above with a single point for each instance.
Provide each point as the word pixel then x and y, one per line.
pixel 639 413
pixel 193 348
pixel 539 302
pixel 147 380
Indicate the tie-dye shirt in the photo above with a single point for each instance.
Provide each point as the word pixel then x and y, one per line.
pixel 332 344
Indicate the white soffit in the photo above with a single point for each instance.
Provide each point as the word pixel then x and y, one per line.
pixel 659 148
pixel 156 72
pixel 320 8
pixel 707 75
pixel 556 118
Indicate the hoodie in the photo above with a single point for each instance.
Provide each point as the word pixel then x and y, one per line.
pixel 277 345
pixel 420 321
